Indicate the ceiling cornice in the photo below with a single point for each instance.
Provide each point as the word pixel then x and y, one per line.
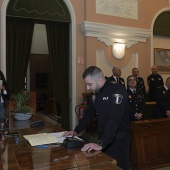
pixel 112 33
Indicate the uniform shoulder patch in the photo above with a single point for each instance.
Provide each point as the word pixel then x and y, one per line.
pixel 113 82
pixel 117 98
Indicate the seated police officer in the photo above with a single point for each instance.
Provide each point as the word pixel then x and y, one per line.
pixel 110 102
pixel 163 100
pixel 136 99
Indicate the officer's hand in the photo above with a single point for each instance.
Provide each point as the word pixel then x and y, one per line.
pixel 69 133
pixel 91 146
pixel 138 116
pixel 168 113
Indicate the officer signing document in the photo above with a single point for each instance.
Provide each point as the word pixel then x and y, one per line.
pixel 110 103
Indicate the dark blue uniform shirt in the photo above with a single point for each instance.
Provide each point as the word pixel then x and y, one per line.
pixel 111 107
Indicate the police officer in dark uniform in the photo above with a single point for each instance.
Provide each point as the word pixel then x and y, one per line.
pixel 116 76
pixel 140 82
pixel 136 99
pixel 154 81
pixel 110 102
pixel 163 100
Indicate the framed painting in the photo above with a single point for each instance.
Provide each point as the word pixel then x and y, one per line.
pixel 162 59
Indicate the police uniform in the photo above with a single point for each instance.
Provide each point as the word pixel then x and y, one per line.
pixel 112 108
pixel 140 84
pixel 120 80
pixel 162 102
pixel 136 102
pixel 154 81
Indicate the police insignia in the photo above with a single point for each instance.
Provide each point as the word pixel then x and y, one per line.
pixel 93 98
pixel 163 92
pixel 152 79
pixel 113 82
pixel 130 97
pixel 117 98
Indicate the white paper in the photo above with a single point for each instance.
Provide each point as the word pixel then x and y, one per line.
pixel 40 139
pixel 59 137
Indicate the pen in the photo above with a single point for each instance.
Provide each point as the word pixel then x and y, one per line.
pixel 47 146
pixel 42 146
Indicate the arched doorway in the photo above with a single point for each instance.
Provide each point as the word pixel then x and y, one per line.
pixel 72 61
pixel 161 36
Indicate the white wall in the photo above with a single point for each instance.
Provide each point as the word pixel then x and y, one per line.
pixel 39 41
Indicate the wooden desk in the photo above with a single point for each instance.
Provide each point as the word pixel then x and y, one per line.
pixel 18 154
pixel 14 125
pixel 150 147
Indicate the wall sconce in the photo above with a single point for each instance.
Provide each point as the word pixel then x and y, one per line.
pixel 118 50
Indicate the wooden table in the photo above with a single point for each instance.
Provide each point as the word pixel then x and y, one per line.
pixel 16 153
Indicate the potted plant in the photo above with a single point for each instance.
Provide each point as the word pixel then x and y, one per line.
pixel 22 111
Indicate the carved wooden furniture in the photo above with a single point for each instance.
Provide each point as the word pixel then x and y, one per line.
pixel 150 140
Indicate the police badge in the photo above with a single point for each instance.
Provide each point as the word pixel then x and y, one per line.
pixel 117 98
pixel 93 98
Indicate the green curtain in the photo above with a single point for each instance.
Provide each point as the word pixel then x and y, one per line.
pixel 18 46
pixel 58 44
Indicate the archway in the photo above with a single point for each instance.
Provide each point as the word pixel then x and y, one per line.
pixel 161 34
pixel 72 53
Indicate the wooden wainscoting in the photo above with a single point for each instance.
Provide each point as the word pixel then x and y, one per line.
pixel 150 147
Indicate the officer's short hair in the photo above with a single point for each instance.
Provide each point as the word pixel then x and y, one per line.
pixel 134 69
pixel 129 77
pixel 93 71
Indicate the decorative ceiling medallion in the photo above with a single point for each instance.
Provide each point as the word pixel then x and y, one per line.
pixel 120 8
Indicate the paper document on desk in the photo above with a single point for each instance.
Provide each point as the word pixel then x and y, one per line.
pixel 60 139
pixel 40 139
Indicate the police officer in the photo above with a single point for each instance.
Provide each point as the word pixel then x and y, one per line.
pixel 110 102
pixel 116 76
pixel 163 100
pixel 154 81
pixel 136 99
pixel 140 82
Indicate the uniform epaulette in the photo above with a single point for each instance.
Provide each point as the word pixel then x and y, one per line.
pixel 159 87
pixel 113 82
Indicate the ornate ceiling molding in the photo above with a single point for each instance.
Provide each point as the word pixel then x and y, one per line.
pixel 109 34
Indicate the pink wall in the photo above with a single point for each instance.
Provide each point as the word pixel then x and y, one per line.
pixel 85 10
pixel 146 12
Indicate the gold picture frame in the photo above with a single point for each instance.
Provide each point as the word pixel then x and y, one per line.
pixel 162 59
